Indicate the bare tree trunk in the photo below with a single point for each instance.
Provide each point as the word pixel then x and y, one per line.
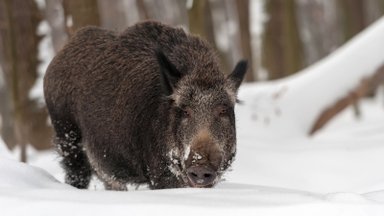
pixel 282 51
pixel 352 12
pixel 200 20
pixel 171 12
pixel 18 50
pixel 143 10
pixel 293 49
pixel 320 28
pixel 54 13
pixel 6 57
pixel 245 36
pixel 7 124
pixel 119 15
pixel 373 10
pixel 84 13
pixel 201 23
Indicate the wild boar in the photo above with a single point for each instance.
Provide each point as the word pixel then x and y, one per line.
pixel 147 106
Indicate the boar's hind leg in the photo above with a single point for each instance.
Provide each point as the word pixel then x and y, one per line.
pixel 75 163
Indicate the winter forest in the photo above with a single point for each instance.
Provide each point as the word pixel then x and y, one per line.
pixel 310 121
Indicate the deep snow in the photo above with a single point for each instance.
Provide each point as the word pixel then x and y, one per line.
pixel 278 171
pixel 336 173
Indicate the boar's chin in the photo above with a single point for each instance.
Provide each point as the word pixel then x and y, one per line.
pixel 192 185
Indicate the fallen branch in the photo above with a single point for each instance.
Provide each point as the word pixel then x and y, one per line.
pixel 364 88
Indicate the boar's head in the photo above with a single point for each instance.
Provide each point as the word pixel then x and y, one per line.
pixel 201 134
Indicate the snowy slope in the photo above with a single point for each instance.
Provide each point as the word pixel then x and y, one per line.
pixel 279 105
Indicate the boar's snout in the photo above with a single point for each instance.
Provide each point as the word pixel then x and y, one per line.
pixel 203 160
pixel 201 176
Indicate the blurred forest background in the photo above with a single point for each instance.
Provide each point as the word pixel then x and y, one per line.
pixel 278 37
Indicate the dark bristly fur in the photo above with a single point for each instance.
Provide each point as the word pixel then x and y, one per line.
pixel 147 106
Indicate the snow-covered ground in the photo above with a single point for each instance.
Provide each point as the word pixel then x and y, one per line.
pixel 337 172
pixel 278 171
pixel 347 156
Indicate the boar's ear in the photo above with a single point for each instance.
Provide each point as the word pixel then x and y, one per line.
pixel 169 75
pixel 237 75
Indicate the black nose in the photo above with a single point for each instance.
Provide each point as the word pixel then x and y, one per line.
pixel 201 176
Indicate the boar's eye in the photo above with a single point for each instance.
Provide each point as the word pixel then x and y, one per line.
pixel 222 111
pixel 187 112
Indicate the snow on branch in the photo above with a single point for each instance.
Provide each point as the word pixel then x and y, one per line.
pixel 366 86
